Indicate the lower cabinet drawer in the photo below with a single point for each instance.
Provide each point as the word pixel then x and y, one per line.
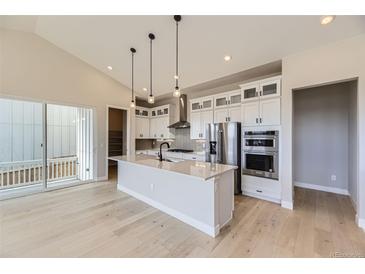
pixel 263 188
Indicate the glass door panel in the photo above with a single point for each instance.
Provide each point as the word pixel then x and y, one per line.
pixel 69 145
pixel 21 146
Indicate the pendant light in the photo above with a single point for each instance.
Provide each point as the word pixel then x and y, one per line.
pixel 151 98
pixel 133 104
pixel 177 92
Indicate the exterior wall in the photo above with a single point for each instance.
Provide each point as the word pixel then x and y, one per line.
pixel 21 131
pixel 327 64
pixel 32 68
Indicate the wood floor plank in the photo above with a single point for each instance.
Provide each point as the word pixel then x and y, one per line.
pixel 96 220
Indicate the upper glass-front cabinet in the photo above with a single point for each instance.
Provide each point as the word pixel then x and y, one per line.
pixel 270 88
pixel 227 99
pixel 205 103
pixel 261 89
pixel 250 92
pixel 141 112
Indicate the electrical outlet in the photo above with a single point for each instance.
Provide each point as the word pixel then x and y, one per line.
pixel 152 187
pixel 333 178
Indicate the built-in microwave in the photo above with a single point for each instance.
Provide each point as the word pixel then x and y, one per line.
pixel 260 154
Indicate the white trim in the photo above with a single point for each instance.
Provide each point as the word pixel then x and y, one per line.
pixel 107 135
pixel 360 222
pixel 210 230
pixel 287 204
pixel 323 188
pixel 103 178
pixel 262 197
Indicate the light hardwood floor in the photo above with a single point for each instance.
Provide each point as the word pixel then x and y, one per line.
pixel 95 220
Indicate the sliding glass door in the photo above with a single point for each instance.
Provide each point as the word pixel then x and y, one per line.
pixel 43 146
pixel 21 144
pixel 69 145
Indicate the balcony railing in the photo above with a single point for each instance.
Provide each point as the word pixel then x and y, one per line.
pixel 23 173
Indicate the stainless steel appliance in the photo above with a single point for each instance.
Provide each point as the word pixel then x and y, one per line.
pixel 223 146
pixel 260 155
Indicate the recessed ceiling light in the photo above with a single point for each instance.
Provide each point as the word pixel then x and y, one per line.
pixel 144 89
pixel 327 19
pixel 227 58
pixel 109 67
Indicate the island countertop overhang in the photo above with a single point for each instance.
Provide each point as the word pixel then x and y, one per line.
pixel 203 170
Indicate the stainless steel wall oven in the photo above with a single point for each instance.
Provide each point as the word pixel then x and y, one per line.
pixel 260 154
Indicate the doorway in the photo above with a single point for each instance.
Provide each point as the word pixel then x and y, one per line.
pixel 325 139
pixel 117 137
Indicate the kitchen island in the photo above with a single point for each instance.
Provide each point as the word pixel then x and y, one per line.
pixel 200 194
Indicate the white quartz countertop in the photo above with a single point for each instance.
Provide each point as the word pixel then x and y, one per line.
pixel 202 170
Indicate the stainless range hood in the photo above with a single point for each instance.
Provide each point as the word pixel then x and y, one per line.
pixel 183 114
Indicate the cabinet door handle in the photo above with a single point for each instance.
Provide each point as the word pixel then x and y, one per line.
pixel 257 120
pixel 259 191
pixel 260 120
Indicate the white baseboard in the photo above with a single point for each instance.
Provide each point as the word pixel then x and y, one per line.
pixel 323 188
pixel 210 230
pixel 100 179
pixel 262 197
pixel 287 204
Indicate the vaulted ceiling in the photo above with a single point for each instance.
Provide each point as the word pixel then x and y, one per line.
pixel 103 41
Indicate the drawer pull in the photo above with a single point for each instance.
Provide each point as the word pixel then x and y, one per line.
pixel 259 191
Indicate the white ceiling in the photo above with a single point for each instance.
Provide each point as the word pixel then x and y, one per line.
pixel 204 40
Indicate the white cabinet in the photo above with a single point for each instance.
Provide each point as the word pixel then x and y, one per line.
pixel 220 115
pixel 227 107
pixel 262 188
pixel 270 87
pixel 261 113
pixel 201 104
pixel 234 114
pixel 195 131
pixel 223 100
pixel 153 123
pixel 142 112
pixel 142 127
pixel 159 128
pixel 250 92
pixel 261 102
pixel 228 114
pixel 270 112
pixel 262 89
pixel 250 114
pixel 198 122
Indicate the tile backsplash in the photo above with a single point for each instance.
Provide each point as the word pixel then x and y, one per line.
pixel 182 140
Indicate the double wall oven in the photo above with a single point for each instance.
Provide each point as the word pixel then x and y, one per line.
pixel 260 153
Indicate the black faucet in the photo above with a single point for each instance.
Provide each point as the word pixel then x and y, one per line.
pixel 160 154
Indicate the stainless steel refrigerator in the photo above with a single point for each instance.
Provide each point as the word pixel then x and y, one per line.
pixel 223 146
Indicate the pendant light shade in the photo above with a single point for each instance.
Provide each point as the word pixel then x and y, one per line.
pixel 133 104
pixel 177 92
pixel 151 98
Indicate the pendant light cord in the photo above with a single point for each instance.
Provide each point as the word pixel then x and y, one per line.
pixel 177 55
pixel 150 67
pixel 132 77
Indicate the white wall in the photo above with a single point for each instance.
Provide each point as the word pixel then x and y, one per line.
pixel 330 63
pixel 353 144
pixel 31 67
pixel 320 135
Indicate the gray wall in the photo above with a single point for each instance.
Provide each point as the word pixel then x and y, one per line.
pixel 321 135
pixel 353 143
